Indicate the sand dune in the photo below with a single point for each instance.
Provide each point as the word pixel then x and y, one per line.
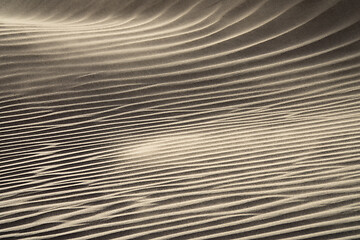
pixel 159 119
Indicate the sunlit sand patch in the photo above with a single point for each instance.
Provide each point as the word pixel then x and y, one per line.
pixel 158 146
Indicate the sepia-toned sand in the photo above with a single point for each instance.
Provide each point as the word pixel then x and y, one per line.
pixel 179 119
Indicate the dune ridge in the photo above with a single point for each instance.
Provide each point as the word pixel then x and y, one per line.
pixel 162 119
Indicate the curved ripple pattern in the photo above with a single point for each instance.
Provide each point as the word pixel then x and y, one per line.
pixel 162 119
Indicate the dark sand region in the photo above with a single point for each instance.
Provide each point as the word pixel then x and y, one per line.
pixel 165 119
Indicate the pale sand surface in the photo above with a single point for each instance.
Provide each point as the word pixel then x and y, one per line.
pixel 179 119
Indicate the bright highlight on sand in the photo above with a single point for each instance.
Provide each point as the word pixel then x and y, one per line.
pixel 163 145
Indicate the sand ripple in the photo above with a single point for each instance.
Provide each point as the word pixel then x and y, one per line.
pixel 179 119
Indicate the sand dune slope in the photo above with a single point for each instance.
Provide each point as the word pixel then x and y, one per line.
pixel 179 119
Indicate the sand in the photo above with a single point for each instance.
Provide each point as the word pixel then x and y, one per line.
pixel 179 119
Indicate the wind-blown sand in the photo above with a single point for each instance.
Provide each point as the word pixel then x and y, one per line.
pixel 179 119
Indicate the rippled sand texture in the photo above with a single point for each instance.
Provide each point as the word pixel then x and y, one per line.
pixel 180 119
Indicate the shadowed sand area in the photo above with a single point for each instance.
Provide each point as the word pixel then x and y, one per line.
pixel 179 119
